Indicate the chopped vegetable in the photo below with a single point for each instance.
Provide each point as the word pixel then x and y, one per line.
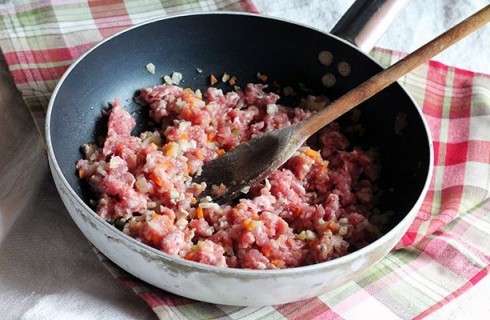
pixel 200 212
pixel 225 77
pixel 151 68
pixel 261 77
pixel 167 79
pixel 312 153
pixel 176 78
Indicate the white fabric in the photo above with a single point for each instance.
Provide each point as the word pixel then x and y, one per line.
pixel 48 269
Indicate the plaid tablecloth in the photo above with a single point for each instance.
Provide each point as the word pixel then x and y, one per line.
pixel 445 252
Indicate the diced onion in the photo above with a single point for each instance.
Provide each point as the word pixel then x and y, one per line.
pixel 150 67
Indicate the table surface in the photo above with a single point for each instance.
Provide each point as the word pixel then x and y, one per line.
pixel 49 271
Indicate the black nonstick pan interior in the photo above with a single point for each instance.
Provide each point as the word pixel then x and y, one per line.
pixel 241 45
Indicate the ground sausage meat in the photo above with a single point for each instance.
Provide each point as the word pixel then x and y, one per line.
pixel 314 208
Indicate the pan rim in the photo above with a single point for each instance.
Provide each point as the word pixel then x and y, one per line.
pixel 236 271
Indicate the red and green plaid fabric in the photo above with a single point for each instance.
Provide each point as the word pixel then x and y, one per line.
pixel 40 39
pixel 445 252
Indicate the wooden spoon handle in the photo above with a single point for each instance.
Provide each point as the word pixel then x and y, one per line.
pixel 386 77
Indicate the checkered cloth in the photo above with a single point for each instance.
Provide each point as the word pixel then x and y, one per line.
pixel 40 39
pixel 445 252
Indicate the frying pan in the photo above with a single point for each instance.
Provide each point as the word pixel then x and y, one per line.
pixel 242 45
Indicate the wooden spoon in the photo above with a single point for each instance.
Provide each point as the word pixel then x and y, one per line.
pixel 252 161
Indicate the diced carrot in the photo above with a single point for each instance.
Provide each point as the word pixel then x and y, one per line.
pixel 164 165
pixel 261 77
pixel 187 113
pixel 248 224
pixel 199 155
pixel 276 262
pixel 211 136
pixel 232 81
pixel 193 200
pixel 325 164
pixel 81 173
pixel 154 215
pixel 213 80
pixel 311 153
pixel 119 148
pixel 192 252
pixel 156 179
pixel 168 149
pixel 193 101
pixel 220 152
pixel 297 210
pixel 200 213
pixel 266 251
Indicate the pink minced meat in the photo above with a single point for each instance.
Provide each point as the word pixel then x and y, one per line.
pixel 314 208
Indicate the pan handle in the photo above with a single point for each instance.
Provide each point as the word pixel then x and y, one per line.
pixel 366 21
